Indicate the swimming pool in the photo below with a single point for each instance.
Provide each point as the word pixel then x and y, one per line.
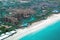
pixel 52 32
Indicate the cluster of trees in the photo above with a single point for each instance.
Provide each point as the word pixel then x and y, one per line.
pixel 17 12
pixel 14 13
pixel 17 15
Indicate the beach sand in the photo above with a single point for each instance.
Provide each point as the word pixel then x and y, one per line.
pixel 34 27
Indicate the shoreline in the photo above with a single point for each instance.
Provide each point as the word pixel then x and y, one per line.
pixel 34 27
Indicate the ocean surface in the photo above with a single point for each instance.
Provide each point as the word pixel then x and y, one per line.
pixel 51 32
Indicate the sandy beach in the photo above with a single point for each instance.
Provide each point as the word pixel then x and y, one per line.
pixel 34 27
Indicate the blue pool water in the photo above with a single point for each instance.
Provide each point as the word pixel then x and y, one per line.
pixel 52 32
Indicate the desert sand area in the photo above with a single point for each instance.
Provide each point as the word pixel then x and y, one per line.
pixel 34 27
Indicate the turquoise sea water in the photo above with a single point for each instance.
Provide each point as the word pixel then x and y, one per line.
pixel 52 32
